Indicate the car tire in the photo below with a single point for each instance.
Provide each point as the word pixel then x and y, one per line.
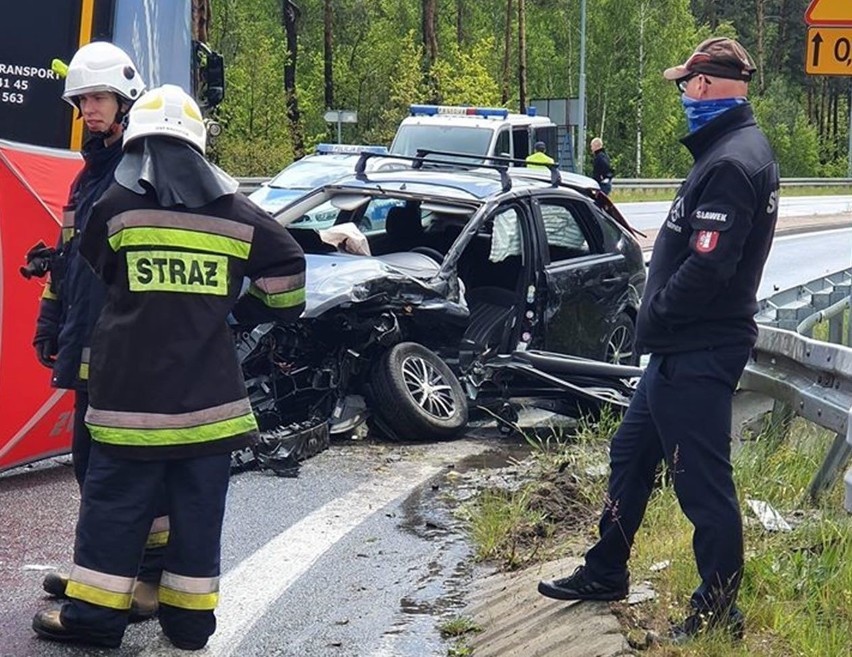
pixel 399 400
pixel 620 345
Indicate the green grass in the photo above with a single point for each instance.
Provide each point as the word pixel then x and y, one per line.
pixel 797 586
pixel 458 626
pixel 651 194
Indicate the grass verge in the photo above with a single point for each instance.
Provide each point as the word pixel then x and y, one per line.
pixel 797 585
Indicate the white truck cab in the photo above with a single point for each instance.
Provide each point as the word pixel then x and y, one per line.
pixel 474 130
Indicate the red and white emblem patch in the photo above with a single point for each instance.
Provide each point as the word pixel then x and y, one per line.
pixel 706 241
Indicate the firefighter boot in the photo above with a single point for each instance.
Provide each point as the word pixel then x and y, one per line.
pixel 144 604
pixel 48 625
pixel 54 584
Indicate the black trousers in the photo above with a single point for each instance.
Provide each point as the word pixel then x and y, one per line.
pixel 681 412
pixel 119 503
pixel 81 445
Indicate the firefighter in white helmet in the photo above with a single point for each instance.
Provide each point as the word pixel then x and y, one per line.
pixel 101 84
pixel 173 240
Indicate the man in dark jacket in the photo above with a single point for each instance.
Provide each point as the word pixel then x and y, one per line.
pixel 173 241
pixel 101 84
pixel 697 323
pixel 601 167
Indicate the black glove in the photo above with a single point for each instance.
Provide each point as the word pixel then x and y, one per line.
pixel 46 350
pixel 39 261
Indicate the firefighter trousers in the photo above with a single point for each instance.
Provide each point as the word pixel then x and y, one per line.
pixel 680 413
pixel 81 445
pixel 116 512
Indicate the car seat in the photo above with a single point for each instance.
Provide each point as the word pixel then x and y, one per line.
pixel 404 228
pixel 492 317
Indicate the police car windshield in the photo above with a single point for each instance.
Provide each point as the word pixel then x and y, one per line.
pixel 456 138
pixel 312 172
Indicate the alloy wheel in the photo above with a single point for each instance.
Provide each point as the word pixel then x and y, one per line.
pixel 428 388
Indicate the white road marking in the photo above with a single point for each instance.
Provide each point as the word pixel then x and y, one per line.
pixel 249 590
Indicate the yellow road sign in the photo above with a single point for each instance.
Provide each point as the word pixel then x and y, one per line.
pixel 829 51
pixel 829 12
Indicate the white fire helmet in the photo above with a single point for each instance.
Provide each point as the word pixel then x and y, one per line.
pixel 167 111
pixel 101 66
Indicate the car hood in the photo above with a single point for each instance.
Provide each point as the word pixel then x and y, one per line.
pixel 338 278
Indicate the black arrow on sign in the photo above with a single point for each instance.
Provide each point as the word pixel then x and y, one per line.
pixel 817 40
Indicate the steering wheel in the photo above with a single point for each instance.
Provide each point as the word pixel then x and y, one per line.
pixel 436 255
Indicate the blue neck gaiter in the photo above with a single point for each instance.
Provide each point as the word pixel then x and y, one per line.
pixel 701 112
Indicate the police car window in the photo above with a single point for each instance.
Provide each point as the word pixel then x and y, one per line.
pixel 460 139
pixel 503 146
pixel 562 226
pixel 373 218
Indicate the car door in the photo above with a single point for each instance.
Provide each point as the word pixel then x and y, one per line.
pixel 587 279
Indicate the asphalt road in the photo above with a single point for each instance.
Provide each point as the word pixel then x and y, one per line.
pixel 359 555
pixel 649 215
pixel 797 259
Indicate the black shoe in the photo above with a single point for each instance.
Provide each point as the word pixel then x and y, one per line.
pixel 48 625
pixel 702 622
pixel 54 584
pixel 578 586
pixel 187 645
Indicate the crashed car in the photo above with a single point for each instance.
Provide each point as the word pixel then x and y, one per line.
pixel 481 287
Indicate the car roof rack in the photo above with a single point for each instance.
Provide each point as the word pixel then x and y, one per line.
pixel 601 200
pixel 599 197
pixel 419 159
pixel 500 160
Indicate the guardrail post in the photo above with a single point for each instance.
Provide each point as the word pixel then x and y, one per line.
pixel 848 478
pixel 838 455
pixel 780 420
pixel 835 329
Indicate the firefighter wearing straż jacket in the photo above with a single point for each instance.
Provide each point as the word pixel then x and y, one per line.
pixel 101 84
pixel 173 241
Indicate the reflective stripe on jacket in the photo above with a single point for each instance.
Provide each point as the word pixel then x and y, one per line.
pixel 164 379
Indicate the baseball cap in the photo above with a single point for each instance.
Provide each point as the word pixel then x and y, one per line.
pixel 720 57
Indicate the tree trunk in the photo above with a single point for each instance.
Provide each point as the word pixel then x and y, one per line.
pixel 507 53
pixel 291 17
pixel 328 51
pixel 522 58
pixel 640 100
pixel 760 8
pixel 201 20
pixel 460 22
pixel 430 40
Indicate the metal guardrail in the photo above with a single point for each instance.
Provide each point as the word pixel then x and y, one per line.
pixel 674 183
pixel 810 378
pixel 250 184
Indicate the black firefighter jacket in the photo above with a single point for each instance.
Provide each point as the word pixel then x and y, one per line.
pixel 72 298
pixel 164 377
pixel 709 254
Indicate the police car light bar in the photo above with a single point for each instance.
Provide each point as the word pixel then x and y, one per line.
pixel 349 149
pixel 457 110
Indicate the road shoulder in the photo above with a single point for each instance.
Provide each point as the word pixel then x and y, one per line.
pixel 517 621
pixel 785 226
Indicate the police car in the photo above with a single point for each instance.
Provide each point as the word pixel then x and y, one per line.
pixel 474 130
pixel 329 163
